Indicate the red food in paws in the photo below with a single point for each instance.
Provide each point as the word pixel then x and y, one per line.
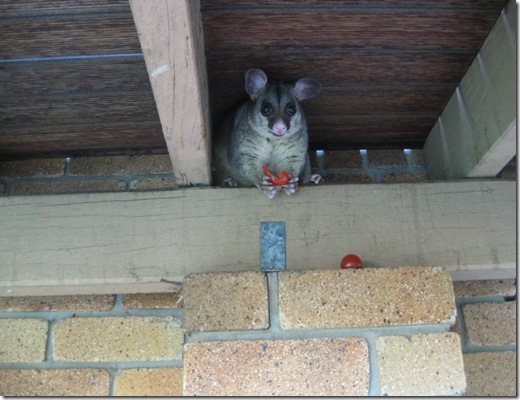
pixel 283 177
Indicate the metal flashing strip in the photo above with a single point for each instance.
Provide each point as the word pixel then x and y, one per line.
pixel 272 246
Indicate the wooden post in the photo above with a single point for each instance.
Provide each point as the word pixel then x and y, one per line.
pixel 170 32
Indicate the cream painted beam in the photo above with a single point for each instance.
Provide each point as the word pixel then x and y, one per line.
pixel 475 135
pixel 170 32
pixel 133 241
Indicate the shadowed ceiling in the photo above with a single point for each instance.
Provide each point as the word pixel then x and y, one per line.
pixel 73 79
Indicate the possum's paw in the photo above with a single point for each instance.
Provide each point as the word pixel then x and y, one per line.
pixel 291 187
pixel 316 178
pixel 268 188
pixel 230 182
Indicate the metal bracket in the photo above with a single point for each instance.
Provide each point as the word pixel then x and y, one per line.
pixel 272 246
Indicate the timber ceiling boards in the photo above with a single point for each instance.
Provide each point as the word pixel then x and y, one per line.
pixel 73 80
pixel 388 66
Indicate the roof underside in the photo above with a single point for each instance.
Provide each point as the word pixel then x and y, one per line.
pixel 73 78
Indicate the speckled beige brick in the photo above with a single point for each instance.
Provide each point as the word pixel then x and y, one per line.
pixel 54 382
pixel 117 339
pixel 404 177
pixel 67 187
pixel 120 165
pixel 58 303
pixel 386 158
pixel 158 183
pixel 418 158
pixel 314 367
pixel 332 179
pixel 491 374
pixel 23 340
pixel 225 301
pixel 501 287
pixel 490 323
pixel 423 365
pixel 350 159
pixel 51 167
pixel 152 300
pixel 149 382
pixel 366 297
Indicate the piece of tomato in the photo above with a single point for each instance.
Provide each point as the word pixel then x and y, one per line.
pixel 283 177
pixel 351 261
pixel 267 172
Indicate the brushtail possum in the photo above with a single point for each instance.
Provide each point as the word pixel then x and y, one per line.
pixel 269 130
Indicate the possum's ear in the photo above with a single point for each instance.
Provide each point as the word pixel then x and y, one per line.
pixel 256 79
pixel 306 88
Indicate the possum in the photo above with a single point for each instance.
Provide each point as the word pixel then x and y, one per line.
pixel 268 130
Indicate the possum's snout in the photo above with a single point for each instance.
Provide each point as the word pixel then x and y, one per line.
pixel 279 127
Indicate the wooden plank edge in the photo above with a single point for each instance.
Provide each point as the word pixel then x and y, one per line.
pixel 88 289
pixel 478 272
pixel 482 272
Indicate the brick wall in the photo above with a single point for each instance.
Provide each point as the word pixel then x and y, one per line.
pixel 370 166
pixel 312 332
pixel 155 172
pixel 487 324
pixel 322 333
pixel 88 174
pixel 91 345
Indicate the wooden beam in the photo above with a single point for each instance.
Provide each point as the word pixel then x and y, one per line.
pixel 128 242
pixel 475 134
pixel 170 32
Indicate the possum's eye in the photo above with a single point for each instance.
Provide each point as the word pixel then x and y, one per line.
pixel 266 109
pixel 290 109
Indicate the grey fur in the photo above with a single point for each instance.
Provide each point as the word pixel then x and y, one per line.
pixel 249 138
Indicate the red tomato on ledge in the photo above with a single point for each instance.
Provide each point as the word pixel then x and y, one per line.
pixel 351 261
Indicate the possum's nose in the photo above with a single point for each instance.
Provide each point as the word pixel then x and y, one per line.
pixel 279 127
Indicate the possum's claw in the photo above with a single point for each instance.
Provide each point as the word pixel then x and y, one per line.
pixel 268 188
pixel 316 178
pixel 230 182
pixel 291 187
pixel 271 190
